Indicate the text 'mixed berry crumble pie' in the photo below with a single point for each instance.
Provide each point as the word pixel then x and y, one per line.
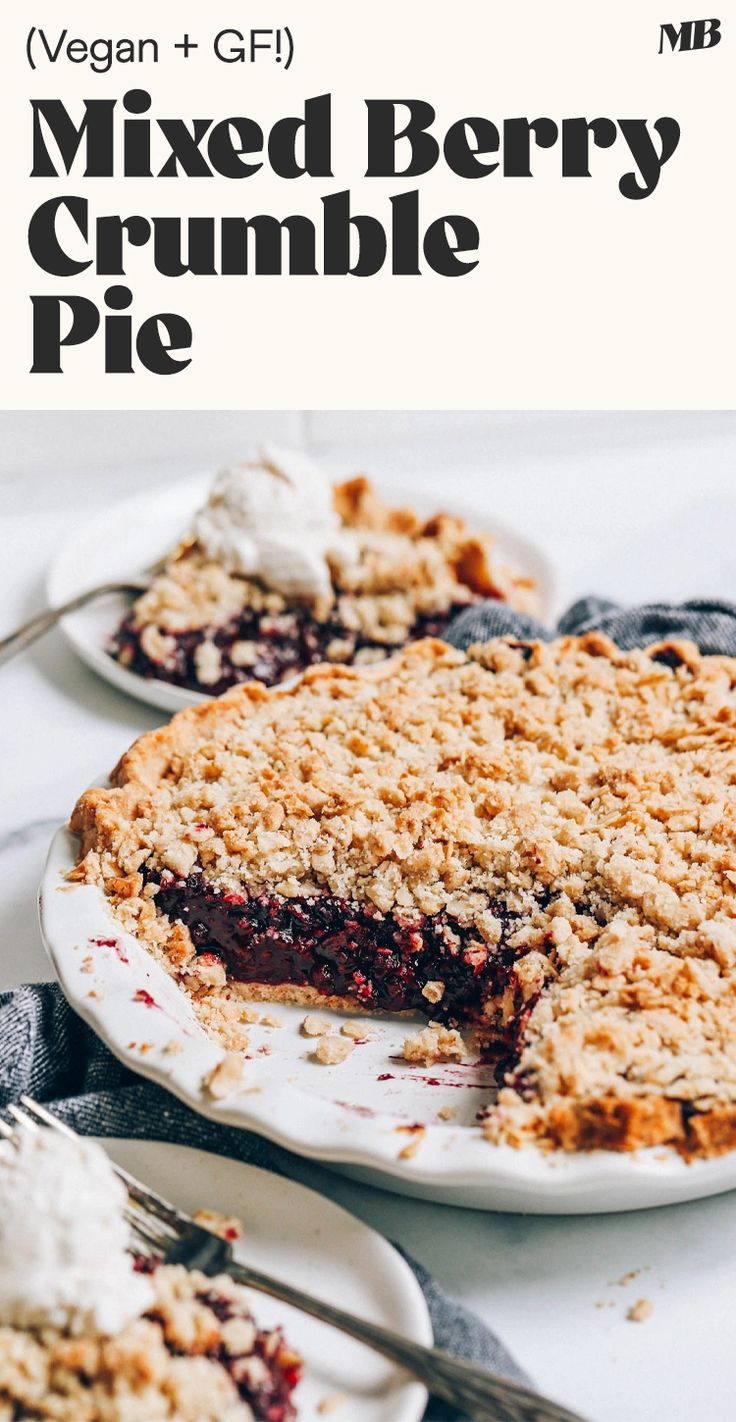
pixel 534 840
pixel 282 570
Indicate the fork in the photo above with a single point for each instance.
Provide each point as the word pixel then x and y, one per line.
pixel 162 1230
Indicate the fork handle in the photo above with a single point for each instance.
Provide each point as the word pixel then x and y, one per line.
pixel 36 627
pixel 481 1395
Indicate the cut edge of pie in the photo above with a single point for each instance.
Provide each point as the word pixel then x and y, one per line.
pixel 552 823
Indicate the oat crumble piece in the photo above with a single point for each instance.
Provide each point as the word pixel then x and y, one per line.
pixel 333 1403
pixel 359 1031
pixel 330 1051
pixel 640 1311
pixel 411 1148
pixel 315 1026
pixel 225 1077
pixel 434 1043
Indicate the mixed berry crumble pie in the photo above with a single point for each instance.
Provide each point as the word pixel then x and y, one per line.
pixel 195 1356
pixel 265 586
pixel 534 840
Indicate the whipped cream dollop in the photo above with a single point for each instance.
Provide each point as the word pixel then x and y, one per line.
pixel 272 517
pixel 63 1238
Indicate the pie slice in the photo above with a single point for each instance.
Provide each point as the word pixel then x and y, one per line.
pixel 197 1353
pixel 203 626
pixel 534 840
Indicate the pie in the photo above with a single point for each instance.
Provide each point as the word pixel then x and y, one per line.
pixel 533 840
pixel 196 1356
pixel 200 626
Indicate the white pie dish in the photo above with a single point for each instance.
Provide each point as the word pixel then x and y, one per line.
pixel 359 1116
pixel 131 536
pixel 298 1235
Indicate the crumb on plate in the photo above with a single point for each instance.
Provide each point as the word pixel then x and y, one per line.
pixel 434 1043
pixel 313 1026
pixel 225 1076
pixel 331 1050
pixel 408 1151
pixel 357 1030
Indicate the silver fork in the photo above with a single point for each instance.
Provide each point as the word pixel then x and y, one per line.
pixel 161 1229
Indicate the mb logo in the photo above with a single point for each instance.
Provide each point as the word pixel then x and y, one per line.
pixel 691 34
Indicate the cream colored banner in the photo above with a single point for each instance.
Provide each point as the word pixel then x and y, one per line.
pixel 581 296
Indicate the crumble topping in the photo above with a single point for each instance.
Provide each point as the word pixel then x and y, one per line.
pixel 589 792
pixel 398 573
pixel 434 1043
pixel 196 1356
pixel 357 1030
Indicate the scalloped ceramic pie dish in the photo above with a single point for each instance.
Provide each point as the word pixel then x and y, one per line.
pixel 405 1129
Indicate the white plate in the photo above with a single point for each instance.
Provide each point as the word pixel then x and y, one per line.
pixel 299 1236
pixel 360 1115
pixel 134 534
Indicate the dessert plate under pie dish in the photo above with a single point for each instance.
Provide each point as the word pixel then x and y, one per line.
pixel 531 842
pixel 135 533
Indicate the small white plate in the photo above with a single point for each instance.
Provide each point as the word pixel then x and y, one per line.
pixel 133 535
pixel 301 1237
pixel 373 1115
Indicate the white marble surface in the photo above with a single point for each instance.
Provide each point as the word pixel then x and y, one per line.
pixel 632 507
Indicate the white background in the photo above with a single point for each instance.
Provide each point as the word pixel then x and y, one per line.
pixel 636 506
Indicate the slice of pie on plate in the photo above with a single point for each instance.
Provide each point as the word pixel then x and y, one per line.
pixel 281 570
pixel 196 1353
pixel 536 841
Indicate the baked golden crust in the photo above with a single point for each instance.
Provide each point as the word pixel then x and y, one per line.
pixel 590 791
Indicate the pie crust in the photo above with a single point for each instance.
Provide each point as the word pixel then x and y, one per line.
pixel 553 823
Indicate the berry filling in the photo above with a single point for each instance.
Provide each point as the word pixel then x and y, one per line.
pixel 435 965
pixel 266 1377
pixel 255 646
